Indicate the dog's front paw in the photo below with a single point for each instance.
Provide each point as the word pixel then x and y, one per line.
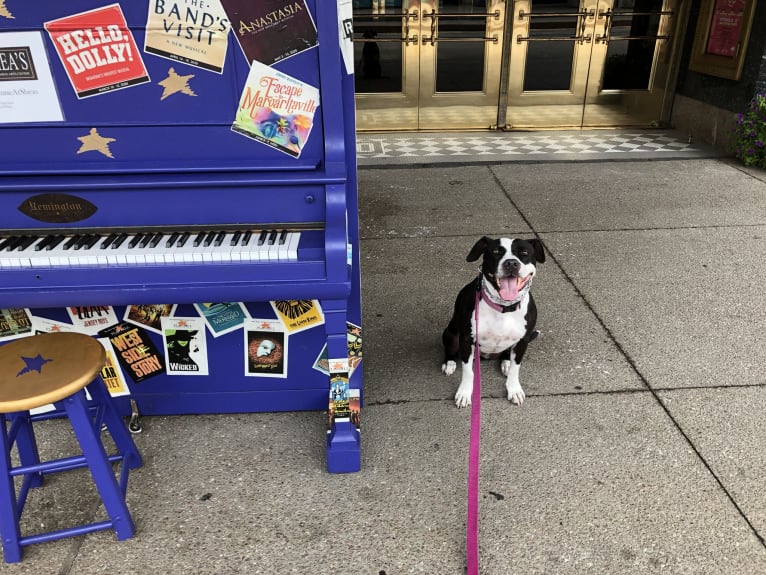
pixel 463 395
pixel 449 367
pixel 515 394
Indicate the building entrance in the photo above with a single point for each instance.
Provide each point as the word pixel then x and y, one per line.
pixel 465 64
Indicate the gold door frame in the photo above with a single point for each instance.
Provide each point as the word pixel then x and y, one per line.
pixel 585 103
pixel 415 37
pixel 419 106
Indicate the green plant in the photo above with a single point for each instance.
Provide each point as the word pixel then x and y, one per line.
pixel 750 133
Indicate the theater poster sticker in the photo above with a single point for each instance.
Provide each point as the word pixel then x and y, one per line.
pixel 271 30
pixel 15 323
pixel 354 340
pixel 149 316
pixel 265 348
pixel 222 318
pixel 111 373
pixel 276 109
pixel 45 325
pixel 184 339
pixel 298 314
pixel 92 319
pixel 194 32
pixel 27 90
pixel 98 51
pixel 135 351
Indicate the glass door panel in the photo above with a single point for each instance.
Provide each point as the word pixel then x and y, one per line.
pixel 386 35
pixel 596 63
pixel 427 65
pixel 630 63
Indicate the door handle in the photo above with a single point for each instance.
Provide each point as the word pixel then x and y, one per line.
pixel 580 38
pixel 609 16
pixel 434 16
pixel 584 14
pixel 405 17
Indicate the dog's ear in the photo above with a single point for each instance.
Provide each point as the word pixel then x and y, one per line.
pixel 537 245
pixel 478 249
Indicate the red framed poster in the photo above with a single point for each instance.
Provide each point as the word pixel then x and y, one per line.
pixel 725 26
pixel 98 51
pixel 722 36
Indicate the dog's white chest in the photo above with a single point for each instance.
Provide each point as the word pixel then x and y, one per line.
pixel 498 331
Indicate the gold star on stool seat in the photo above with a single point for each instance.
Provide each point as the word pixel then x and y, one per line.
pixel 95 142
pixel 175 83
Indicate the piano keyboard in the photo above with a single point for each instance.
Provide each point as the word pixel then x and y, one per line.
pixel 150 248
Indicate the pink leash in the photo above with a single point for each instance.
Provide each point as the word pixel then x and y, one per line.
pixel 472 522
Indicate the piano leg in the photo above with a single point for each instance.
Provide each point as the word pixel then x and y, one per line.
pixel 343 441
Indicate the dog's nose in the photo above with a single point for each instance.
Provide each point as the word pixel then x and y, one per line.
pixel 511 266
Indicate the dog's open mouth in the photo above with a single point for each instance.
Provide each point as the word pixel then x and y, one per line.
pixel 511 286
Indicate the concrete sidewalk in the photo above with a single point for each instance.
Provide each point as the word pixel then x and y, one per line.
pixel 640 448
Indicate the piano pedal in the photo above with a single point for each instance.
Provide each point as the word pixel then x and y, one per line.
pixel 134 425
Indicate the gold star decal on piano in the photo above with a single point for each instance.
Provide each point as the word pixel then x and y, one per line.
pixel 95 142
pixel 175 83
pixel 4 10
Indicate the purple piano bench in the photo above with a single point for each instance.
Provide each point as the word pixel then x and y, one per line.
pixel 57 368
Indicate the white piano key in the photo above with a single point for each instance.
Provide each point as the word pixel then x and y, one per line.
pixel 261 248
pixel 119 256
pixel 155 254
pixel 292 248
pixel 222 252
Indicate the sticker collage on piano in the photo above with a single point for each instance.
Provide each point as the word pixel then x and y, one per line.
pixel 100 54
pixel 132 340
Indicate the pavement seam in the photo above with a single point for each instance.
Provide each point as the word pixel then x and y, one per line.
pixel 399 163
pixel 631 362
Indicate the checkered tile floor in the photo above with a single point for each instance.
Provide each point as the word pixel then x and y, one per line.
pixel 534 146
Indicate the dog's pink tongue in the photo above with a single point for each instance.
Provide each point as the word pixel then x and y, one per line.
pixel 508 289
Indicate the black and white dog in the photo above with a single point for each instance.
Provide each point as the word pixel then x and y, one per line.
pixel 507 313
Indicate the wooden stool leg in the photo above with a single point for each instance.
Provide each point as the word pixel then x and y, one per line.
pixel 116 426
pixel 9 514
pixel 26 444
pixel 100 468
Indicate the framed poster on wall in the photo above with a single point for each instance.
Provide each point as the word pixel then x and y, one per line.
pixel 720 41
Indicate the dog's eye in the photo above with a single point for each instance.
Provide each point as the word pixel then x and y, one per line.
pixel 524 253
pixel 496 252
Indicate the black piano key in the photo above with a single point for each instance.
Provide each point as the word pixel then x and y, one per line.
pixel 272 238
pixel 219 239
pixel 5 242
pixel 145 240
pixel 172 239
pixel 109 239
pixel 45 242
pixel 84 239
pixel 156 239
pixel 55 240
pixel 235 238
pixel 26 242
pixel 283 237
pixel 14 243
pixel 135 241
pixel 198 239
pixel 71 242
pixel 91 241
pixel 209 239
pixel 183 239
pixel 262 237
pixel 246 238
pixel 119 240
